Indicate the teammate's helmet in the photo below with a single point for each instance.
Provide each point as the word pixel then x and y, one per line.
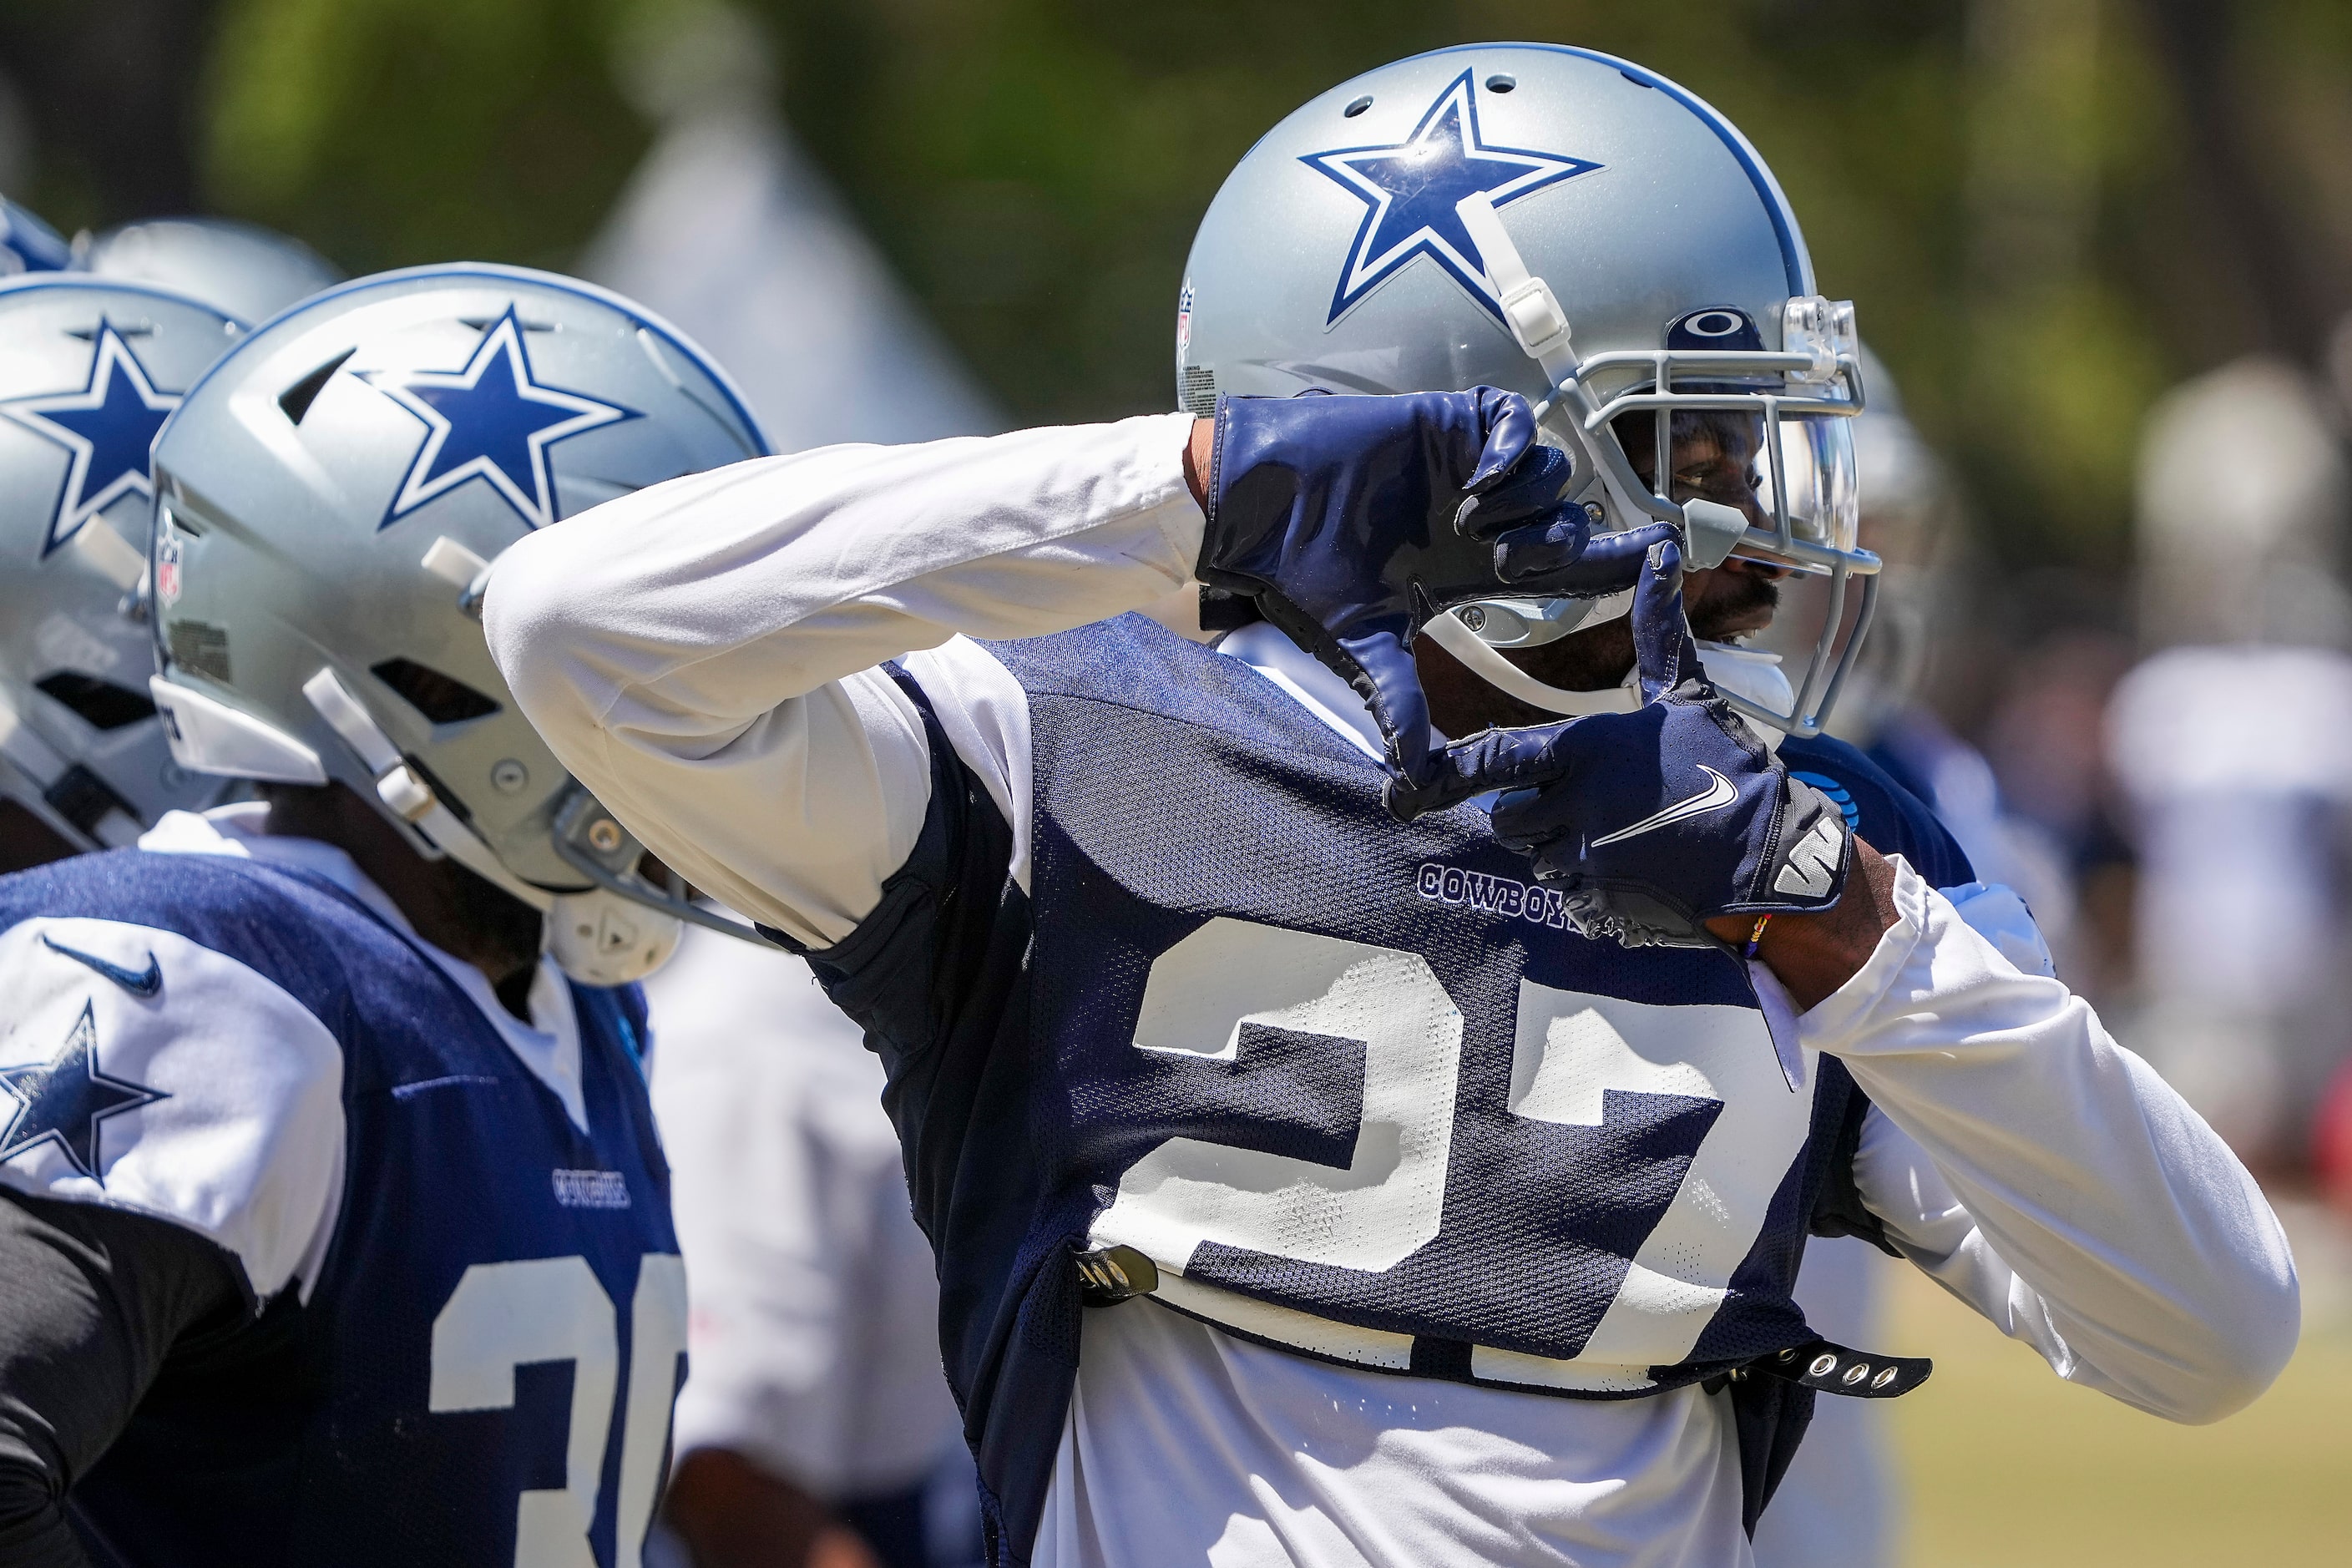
pixel 329 499
pixel 249 271
pixel 28 245
pixel 1570 227
pixel 88 373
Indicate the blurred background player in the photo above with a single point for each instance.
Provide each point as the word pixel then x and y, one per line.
pixel 815 1425
pixel 1911 518
pixel 2231 745
pixel 331 1203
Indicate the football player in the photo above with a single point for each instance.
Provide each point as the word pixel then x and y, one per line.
pixel 88 372
pixel 1465 1154
pixel 332 1219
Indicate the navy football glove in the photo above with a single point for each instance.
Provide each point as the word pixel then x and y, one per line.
pixel 1349 522
pixel 1656 820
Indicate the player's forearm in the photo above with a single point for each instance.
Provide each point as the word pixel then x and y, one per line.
pixel 693 607
pixel 701 654
pixel 1812 955
pixel 2158 1268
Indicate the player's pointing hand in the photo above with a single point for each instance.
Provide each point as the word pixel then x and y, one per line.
pixel 1657 820
pixel 1352 520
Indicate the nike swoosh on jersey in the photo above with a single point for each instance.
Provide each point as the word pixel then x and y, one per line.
pixel 131 979
pixel 1713 798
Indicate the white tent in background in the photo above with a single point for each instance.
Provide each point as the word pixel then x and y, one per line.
pixel 730 231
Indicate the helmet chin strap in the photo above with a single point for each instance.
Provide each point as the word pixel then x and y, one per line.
pixel 1744 672
pixel 1448 632
pixel 404 794
pixel 598 937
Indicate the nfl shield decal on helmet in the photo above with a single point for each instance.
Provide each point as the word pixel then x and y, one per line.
pixel 167 567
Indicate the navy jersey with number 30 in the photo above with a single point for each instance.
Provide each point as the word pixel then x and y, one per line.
pixel 470 1313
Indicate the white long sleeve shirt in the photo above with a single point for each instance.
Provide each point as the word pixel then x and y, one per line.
pixel 702 656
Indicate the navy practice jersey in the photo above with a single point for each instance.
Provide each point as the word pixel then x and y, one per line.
pixel 1885 813
pixel 1354 1088
pixel 469 1313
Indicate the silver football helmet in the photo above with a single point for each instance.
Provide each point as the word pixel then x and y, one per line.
pixel 88 371
pixel 247 270
pixel 329 501
pixel 1581 230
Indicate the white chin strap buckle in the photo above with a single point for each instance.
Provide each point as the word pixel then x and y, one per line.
pixel 1711 530
pixel 1529 306
pixel 1448 632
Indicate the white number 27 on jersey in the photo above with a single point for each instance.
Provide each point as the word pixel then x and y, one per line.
pixel 506 1315
pixel 1571 1051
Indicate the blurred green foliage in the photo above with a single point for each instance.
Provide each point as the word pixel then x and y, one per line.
pixel 1998 183
pixel 387 132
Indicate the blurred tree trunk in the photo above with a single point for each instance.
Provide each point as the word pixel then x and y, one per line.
pixel 2265 240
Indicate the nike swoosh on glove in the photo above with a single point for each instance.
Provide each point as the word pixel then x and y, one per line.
pixel 1655 821
pixel 1349 522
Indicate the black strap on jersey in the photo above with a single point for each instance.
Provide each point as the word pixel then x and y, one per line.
pixel 1829 1368
pixel 1110 1275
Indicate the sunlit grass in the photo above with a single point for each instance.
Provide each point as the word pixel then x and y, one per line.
pixel 2006 1466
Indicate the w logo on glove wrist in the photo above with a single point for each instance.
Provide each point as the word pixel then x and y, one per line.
pixel 1811 866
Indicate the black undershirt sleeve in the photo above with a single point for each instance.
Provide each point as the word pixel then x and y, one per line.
pixel 92 1301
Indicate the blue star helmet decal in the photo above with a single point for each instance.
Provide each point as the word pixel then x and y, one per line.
pixel 62 1100
pixel 108 427
pixel 490 421
pixel 1409 191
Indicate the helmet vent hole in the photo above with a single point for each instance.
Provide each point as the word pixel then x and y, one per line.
pixel 101 704
pixel 1501 83
pixel 1358 107
pixel 296 400
pixel 442 699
